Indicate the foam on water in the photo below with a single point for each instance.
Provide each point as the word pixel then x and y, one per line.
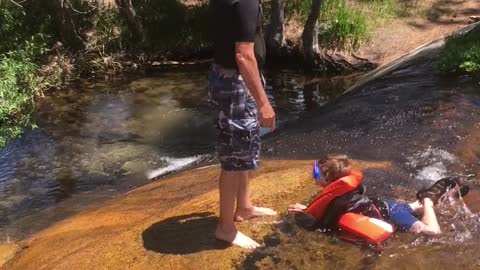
pixel 431 164
pixel 174 164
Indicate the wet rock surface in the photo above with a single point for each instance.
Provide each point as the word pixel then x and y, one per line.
pixel 150 226
pixel 167 224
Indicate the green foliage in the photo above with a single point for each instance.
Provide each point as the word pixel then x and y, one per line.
pixel 18 26
pixel 461 53
pixel 19 54
pixel 342 25
pixel 106 42
pixel 9 27
pixel 109 30
pixel 18 85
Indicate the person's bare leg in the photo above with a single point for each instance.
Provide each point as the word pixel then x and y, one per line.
pixel 226 230
pixel 245 208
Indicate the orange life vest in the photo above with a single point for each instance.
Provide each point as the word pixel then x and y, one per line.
pixel 355 227
pixel 361 229
pixel 333 190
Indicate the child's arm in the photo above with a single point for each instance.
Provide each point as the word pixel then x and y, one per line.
pixel 429 224
pixel 293 208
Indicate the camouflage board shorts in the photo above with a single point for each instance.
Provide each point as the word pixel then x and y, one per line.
pixel 239 132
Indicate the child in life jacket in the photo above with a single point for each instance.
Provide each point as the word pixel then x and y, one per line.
pixel 343 192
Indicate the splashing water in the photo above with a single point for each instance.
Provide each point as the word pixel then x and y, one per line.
pixel 174 164
pixel 431 164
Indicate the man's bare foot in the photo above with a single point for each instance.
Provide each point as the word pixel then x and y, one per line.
pixel 243 214
pixel 236 238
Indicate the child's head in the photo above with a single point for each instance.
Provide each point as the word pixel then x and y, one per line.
pixel 333 167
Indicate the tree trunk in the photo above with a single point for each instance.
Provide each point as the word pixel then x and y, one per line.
pixel 62 14
pixel 275 37
pixel 311 49
pixel 128 12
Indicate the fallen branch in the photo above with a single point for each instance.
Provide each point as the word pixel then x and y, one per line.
pixel 78 11
pixel 18 4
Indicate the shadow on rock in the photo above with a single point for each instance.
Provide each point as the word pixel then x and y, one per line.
pixel 183 234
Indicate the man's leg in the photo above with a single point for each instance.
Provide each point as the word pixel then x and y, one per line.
pixel 226 230
pixel 239 150
pixel 245 208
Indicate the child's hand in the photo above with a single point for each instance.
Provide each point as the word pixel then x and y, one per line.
pixel 293 208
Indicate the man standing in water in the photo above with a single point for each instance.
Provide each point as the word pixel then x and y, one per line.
pixel 236 90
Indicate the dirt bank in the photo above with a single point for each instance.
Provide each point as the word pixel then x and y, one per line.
pixel 431 20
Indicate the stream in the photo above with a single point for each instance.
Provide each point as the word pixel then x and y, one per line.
pixel 425 126
pixel 96 140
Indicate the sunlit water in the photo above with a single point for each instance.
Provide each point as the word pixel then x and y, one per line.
pixel 96 140
pixel 425 125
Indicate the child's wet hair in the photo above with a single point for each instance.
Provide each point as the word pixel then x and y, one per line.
pixel 334 167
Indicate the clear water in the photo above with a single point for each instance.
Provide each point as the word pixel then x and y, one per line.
pixel 426 126
pixel 96 140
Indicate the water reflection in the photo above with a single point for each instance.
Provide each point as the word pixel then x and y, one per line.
pixel 296 94
pixel 98 139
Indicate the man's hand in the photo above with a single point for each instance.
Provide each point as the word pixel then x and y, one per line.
pixel 266 116
pixel 247 64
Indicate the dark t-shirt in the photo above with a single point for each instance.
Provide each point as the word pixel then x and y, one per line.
pixel 235 21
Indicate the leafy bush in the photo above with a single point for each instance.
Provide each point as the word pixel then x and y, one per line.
pixel 341 25
pixel 105 43
pixel 19 53
pixel 18 26
pixel 461 53
pixel 18 85
pixel 109 30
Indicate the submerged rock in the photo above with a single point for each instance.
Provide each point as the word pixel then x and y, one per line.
pixel 134 166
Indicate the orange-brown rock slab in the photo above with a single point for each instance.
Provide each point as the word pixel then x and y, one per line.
pixel 168 224
pixel 7 251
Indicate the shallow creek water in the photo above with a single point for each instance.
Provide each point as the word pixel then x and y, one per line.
pixel 425 125
pixel 96 140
